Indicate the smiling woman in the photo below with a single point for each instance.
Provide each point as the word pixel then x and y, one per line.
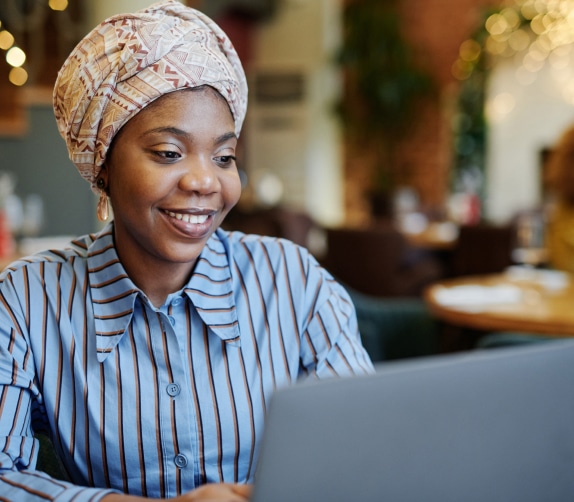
pixel 148 352
pixel 172 179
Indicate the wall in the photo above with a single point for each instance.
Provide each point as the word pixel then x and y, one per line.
pixel 524 119
pixel 299 141
pixel 99 10
pixel 39 160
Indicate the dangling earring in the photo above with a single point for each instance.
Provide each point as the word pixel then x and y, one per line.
pixel 103 210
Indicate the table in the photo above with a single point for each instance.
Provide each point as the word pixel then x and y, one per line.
pixel 520 300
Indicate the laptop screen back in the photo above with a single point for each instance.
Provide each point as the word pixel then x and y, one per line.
pixel 488 426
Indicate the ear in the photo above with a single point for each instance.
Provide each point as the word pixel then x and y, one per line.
pixel 103 179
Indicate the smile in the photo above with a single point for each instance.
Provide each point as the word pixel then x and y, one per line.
pixel 189 218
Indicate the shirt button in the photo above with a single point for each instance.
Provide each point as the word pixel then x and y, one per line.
pixel 173 389
pixel 172 320
pixel 177 302
pixel 180 460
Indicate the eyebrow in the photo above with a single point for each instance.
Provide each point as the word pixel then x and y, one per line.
pixel 180 132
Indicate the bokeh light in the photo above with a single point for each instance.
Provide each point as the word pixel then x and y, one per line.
pixel 58 4
pixel 500 106
pixel 18 76
pixel 470 50
pixel 519 40
pixel 6 40
pixel 534 32
pixel 15 56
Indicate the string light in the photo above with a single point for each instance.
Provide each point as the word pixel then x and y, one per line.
pixel 6 40
pixel 15 56
pixel 535 32
pixel 18 76
pixel 58 4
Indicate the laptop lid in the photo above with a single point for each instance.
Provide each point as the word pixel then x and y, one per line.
pixel 488 426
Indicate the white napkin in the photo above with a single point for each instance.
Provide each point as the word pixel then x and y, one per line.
pixel 551 280
pixel 469 296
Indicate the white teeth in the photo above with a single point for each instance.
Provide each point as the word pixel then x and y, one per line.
pixel 189 218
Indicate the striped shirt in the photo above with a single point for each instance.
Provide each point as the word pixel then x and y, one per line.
pixel 157 401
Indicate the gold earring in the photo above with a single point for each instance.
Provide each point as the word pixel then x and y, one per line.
pixel 103 210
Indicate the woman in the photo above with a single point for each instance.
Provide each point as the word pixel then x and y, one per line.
pixel 148 352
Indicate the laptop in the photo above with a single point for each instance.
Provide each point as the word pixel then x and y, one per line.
pixel 488 426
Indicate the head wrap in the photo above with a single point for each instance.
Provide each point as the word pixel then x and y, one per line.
pixel 128 61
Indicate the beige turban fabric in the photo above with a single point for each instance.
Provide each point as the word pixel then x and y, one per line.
pixel 130 60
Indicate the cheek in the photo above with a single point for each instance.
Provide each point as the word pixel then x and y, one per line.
pixel 132 191
pixel 232 189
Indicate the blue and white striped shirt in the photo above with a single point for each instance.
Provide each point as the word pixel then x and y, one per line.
pixel 157 401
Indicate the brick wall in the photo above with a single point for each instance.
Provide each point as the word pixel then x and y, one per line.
pixel 435 28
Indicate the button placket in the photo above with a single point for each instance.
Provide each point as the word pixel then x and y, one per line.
pixel 175 399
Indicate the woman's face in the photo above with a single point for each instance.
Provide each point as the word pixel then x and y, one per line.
pixel 172 177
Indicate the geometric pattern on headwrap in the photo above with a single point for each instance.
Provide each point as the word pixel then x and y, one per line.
pixel 128 61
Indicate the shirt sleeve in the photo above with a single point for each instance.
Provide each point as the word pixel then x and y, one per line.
pixel 331 343
pixel 19 399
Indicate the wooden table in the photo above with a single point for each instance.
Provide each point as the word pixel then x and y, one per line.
pixel 533 304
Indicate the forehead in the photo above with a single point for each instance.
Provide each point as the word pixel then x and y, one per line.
pixel 198 108
pixel 191 95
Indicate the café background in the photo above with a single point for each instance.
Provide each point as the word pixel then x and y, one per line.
pixel 301 143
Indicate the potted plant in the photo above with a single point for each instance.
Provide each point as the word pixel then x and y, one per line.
pixel 382 86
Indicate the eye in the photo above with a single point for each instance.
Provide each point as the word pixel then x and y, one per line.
pixel 225 160
pixel 167 155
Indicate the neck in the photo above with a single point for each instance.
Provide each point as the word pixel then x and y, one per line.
pixel 157 280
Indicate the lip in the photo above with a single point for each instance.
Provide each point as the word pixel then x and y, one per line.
pixel 192 224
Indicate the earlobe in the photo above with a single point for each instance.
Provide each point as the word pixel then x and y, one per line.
pixel 103 203
pixel 103 209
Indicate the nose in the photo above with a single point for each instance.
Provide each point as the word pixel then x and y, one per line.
pixel 199 176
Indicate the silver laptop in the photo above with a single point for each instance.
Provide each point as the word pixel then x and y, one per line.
pixel 490 426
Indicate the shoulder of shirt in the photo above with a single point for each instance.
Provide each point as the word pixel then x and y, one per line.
pixel 76 248
pixel 234 239
pixel 286 252
pixel 240 246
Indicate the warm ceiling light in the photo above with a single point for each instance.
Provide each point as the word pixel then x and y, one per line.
pixel 18 76
pixel 6 40
pixel 16 57
pixel 58 4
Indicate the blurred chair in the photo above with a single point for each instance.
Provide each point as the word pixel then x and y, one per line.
pixel 482 249
pixel 379 261
pixel 395 328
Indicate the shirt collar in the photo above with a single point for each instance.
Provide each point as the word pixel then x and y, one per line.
pixel 210 291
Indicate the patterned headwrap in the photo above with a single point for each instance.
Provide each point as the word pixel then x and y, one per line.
pixel 130 60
